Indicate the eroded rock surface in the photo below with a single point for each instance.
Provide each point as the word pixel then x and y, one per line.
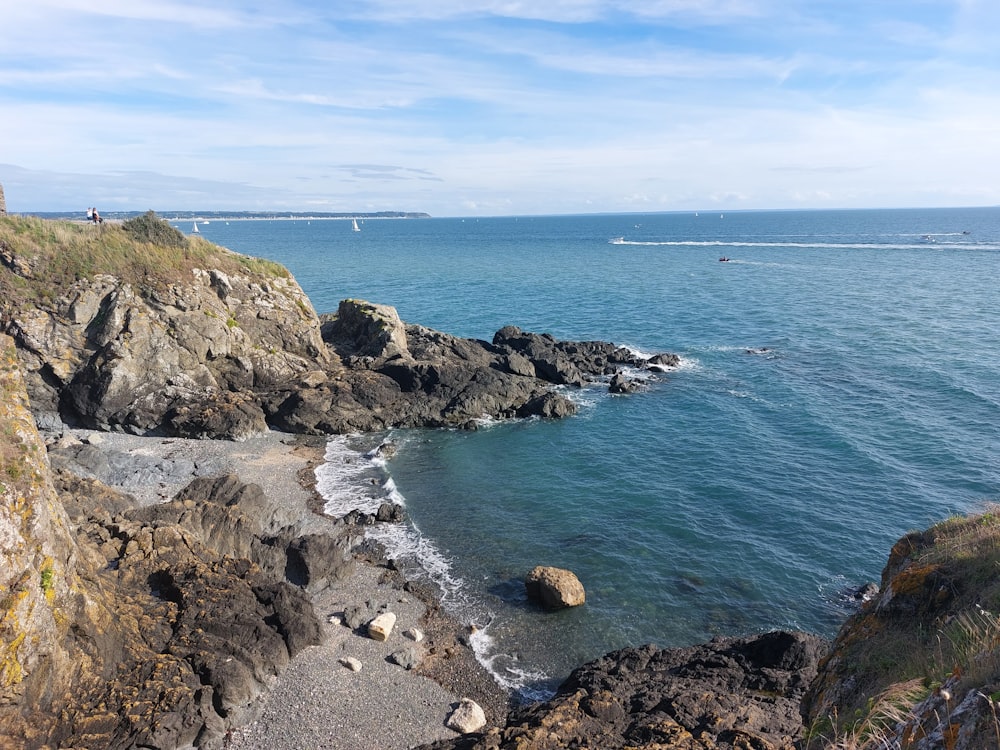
pixel 725 694
pixel 208 354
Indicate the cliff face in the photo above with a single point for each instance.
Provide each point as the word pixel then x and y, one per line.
pixel 118 334
pixel 40 589
pixel 918 666
pixel 156 626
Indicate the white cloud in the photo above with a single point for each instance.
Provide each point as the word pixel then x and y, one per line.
pixel 602 106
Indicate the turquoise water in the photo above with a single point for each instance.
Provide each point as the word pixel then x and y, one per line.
pixel 840 386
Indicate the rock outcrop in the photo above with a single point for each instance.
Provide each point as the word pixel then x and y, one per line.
pixel 554 588
pixel 726 694
pixel 917 664
pixel 233 347
pixel 156 626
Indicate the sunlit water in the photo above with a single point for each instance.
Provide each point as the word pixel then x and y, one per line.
pixel 840 385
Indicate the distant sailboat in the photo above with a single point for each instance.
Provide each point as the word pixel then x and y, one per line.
pixel 354 225
pixel 195 230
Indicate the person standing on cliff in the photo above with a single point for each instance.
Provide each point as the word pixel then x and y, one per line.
pixel 97 217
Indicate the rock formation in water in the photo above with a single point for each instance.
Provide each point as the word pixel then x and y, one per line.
pixel 221 346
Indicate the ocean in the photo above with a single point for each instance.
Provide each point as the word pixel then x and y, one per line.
pixel 839 386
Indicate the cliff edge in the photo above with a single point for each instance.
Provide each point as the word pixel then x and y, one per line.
pixel 135 329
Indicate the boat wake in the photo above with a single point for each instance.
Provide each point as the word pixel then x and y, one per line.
pixel 937 245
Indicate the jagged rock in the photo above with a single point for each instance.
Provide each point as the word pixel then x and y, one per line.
pixel 663 362
pixel 407 658
pixel 367 332
pixel 389 513
pixel 145 627
pixel 381 627
pixel 555 588
pixel 468 717
pixel 729 694
pixel 231 353
pixel 622 384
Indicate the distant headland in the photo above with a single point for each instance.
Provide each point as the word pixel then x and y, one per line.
pixel 238 215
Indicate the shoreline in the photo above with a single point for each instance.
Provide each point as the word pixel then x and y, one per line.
pixel 317 701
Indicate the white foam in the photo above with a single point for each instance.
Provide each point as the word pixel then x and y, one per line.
pixel 348 479
pixel 353 479
pixel 815 245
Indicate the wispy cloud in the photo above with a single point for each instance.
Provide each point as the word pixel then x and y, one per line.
pixel 498 105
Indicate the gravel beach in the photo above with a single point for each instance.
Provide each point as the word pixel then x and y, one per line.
pixel 319 701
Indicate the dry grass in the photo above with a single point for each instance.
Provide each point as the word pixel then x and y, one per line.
pixel 51 255
pixel 949 580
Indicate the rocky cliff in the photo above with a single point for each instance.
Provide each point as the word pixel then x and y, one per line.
pixel 159 626
pixel 117 333
pixel 130 627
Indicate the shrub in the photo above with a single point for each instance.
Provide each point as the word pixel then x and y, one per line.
pixel 150 228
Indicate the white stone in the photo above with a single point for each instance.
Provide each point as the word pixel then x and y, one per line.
pixel 415 634
pixel 380 628
pixel 351 663
pixel 467 718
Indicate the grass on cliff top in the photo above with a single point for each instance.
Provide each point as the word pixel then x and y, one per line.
pixel 889 655
pixel 41 258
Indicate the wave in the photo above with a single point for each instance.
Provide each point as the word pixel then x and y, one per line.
pixel 351 478
pixel 817 245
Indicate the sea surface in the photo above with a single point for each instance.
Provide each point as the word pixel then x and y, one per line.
pixel 839 386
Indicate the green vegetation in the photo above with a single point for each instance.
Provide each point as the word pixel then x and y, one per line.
pixel 46 576
pixel 42 258
pixel 149 228
pixel 941 623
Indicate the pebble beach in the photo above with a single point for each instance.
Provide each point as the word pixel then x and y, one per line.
pixel 349 692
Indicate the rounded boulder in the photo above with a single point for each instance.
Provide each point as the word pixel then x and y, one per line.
pixel 554 588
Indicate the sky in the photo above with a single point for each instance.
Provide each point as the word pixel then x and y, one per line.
pixel 499 107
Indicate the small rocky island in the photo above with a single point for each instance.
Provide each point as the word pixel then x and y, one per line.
pixel 130 623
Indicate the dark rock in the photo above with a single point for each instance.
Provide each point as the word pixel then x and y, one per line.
pixel 407 658
pixel 229 356
pixel 727 694
pixel 390 513
pixel 663 362
pixel 622 384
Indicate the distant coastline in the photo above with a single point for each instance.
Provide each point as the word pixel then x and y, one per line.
pixel 235 215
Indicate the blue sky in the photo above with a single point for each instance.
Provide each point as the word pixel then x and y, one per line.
pixel 499 107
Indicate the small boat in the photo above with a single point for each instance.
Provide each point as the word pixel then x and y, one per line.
pixel 723 259
pixel 354 225
pixel 195 230
pixel 616 241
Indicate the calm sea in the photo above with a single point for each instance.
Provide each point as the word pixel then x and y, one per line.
pixel 840 386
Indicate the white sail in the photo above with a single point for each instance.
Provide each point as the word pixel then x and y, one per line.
pixel 354 225
pixel 195 230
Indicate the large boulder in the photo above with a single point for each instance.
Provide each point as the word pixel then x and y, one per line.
pixel 554 588
pixel 366 332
